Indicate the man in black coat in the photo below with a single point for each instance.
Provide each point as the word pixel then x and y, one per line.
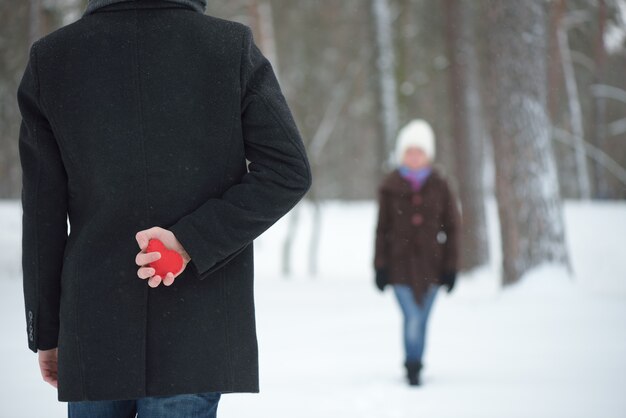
pixel 149 119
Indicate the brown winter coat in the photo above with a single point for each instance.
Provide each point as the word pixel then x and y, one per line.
pixel 417 233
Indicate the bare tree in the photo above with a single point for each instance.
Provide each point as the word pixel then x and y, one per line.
pixel 596 154
pixel 573 100
pixel 467 131
pixel 386 64
pixel 555 68
pixel 263 24
pixel 34 25
pixel 599 102
pixel 14 42
pixel 527 190
pixel 325 102
pixel 422 73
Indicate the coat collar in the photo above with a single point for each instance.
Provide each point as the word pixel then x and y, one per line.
pixel 95 6
pixel 394 182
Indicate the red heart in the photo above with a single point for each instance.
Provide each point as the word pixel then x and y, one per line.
pixel 170 261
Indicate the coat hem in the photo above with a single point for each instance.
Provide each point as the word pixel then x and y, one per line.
pixel 229 390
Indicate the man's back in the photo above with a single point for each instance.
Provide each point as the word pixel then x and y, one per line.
pixel 143 114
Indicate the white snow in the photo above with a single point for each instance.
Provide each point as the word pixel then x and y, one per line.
pixel 552 346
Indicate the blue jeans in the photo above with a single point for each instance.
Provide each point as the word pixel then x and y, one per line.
pixel 415 319
pixel 198 405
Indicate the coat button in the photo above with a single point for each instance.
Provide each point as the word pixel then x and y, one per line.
pixel 417 200
pixel 417 219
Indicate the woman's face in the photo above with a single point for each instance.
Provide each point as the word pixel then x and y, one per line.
pixel 415 158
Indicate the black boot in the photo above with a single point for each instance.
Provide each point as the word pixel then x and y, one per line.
pixel 413 369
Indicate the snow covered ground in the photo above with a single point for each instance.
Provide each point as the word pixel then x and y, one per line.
pixel 330 346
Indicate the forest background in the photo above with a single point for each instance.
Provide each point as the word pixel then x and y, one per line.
pixel 527 100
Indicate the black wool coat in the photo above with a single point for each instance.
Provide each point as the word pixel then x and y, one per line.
pixel 143 114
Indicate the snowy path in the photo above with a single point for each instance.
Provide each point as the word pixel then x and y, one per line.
pixel 330 347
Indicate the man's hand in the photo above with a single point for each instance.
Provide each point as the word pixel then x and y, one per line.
pixel 142 259
pixel 48 365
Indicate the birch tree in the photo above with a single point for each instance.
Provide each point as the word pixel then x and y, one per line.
pixel 385 61
pixel 527 190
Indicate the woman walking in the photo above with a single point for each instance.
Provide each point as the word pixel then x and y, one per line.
pixel 416 237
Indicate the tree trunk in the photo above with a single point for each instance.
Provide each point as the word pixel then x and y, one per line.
pixel 292 228
pixel 314 244
pixel 555 68
pixel 34 32
pixel 15 18
pixel 575 111
pixel 263 24
pixel 527 189
pixel 602 189
pixel 467 131
pixel 385 62
pixel 564 155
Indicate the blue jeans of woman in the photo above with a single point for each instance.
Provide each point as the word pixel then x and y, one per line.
pixel 415 319
pixel 198 405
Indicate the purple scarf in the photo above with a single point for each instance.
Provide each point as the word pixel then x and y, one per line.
pixel 415 177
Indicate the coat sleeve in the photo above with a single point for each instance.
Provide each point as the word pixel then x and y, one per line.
pixel 451 227
pixel 383 226
pixel 44 213
pixel 278 173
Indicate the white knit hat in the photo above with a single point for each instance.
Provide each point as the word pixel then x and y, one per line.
pixel 416 133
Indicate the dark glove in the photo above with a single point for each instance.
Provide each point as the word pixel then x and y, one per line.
pixel 382 278
pixel 448 280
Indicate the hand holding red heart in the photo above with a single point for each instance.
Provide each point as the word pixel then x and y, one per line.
pixel 161 253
